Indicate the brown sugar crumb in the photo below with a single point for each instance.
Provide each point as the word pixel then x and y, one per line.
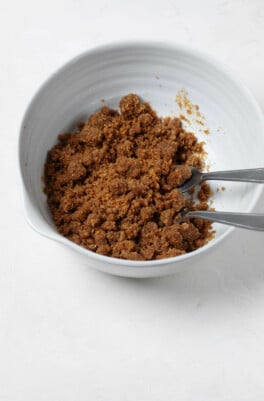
pixel 204 193
pixel 190 112
pixel 111 185
pixel 184 118
pixel 186 104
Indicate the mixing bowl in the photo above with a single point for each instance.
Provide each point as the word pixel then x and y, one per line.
pixel 156 72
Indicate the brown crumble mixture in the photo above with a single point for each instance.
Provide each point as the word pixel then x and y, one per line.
pixel 112 184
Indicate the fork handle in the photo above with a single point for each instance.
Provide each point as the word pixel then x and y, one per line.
pixel 250 175
pixel 250 221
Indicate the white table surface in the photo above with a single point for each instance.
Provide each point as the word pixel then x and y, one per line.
pixel 70 333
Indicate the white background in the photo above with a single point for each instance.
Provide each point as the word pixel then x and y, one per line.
pixel 70 333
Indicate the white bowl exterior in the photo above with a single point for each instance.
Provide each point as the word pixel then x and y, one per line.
pixel 156 72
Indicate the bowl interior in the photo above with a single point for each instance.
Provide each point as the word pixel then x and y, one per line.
pixel 156 72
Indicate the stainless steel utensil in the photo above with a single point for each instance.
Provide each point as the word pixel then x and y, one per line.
pixel 250 221
pixel 255 175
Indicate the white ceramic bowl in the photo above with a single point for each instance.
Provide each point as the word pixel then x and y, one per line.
pixel 155 71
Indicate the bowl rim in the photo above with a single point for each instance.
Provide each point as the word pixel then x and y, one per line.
pixel 111 45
